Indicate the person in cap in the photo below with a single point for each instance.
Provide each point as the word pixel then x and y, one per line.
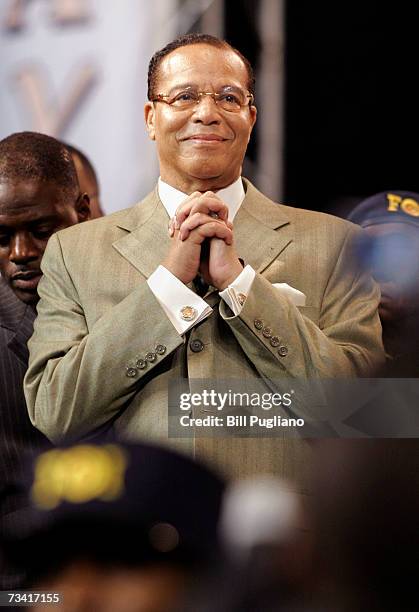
pixel 391 221
pixel 136 306
pixel 39 195
pixel 116 527
pixel 88 180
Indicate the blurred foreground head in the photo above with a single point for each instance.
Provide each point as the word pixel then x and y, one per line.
pixel 266 562
pixel 39 195
pixel 391 220
pixel 117 526
pixel 88 180
pixel 366 509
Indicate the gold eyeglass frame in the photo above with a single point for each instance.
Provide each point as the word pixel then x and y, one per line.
pixel 215 96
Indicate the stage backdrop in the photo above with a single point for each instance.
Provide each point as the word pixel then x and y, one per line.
pixel 77 70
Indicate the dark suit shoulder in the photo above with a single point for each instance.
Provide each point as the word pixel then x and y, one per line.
pixel 7 302
pixel 14 314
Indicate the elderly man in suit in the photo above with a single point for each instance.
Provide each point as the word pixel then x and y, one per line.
pixel 121 311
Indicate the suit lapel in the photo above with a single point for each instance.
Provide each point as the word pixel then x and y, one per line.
pixel 19 342
pixel 147 242
pixel 18 318
pixel 257 220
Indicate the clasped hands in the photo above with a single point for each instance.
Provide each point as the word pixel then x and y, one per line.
pixel 202 242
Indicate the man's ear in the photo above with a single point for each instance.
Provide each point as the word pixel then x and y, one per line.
pixel 83 207
pixel 253 114
pixel 149 115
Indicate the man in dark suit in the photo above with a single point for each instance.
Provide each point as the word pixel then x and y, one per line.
pixel 16 326
pixel 39 195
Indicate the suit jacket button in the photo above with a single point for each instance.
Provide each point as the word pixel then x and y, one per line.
pixel 160 349
pixel 258 323
pixel 283 351
pixel 196 346
pixel 151 357
pixel 275 341
pixel 132 372
pixel 141 364
pixel 267 332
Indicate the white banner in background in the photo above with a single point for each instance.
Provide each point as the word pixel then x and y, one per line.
pixel 77 70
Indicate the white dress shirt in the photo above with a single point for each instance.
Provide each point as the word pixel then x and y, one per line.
pixel 172 294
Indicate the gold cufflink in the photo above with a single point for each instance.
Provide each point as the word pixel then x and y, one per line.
pixel 241 298
pixel 188 313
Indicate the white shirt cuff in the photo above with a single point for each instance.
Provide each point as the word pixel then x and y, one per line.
pixel 235 294
pixel 175 297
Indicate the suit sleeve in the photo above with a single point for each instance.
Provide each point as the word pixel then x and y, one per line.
pixel 281 340
pixel 80 378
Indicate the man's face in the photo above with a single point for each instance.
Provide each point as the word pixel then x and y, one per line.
pixel 30 211
pixel 394 258
pixel 201 147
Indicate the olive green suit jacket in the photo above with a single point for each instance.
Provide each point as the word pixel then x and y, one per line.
pixel 97 317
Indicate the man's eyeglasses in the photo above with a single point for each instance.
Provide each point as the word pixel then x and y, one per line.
pixel 230 99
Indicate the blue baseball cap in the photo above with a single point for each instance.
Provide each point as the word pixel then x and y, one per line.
pixel 387 207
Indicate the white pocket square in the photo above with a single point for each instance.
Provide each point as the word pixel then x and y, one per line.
pixel 298 298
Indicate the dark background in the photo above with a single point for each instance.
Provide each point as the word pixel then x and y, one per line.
pixel 351 119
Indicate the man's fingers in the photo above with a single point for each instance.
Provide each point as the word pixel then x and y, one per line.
pixel 194 221
pixel 171 227
pixel 184 208
pixel 207 203
pixel 213 229
pixel 210 204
